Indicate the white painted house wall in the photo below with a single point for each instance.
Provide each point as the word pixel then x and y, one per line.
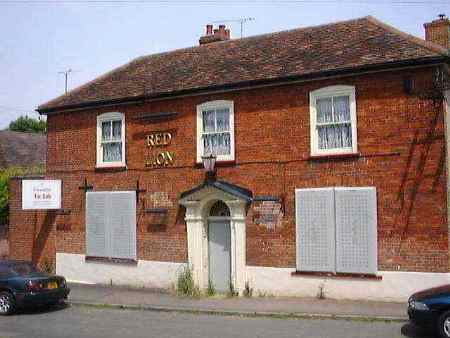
pixel 394 286
pixel 150 274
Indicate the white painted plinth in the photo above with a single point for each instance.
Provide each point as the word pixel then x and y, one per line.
pixel 150 274
pixel 394 286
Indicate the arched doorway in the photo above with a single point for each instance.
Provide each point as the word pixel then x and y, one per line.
pixel 219 247
pixel 206 204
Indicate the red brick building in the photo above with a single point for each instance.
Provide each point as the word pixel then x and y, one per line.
pixel 330 166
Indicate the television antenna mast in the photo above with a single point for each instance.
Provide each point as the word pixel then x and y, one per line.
pixel 241 21
pixel 66 77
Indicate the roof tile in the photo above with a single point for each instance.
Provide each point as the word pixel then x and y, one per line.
pixel 343 45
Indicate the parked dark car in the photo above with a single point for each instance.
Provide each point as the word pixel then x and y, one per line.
pixel 22 285
pixel 431 309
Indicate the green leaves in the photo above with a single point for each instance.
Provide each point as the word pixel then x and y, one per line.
pixel 30 125
pixel 5 175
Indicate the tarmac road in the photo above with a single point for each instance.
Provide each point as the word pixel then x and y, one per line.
pixel 80 321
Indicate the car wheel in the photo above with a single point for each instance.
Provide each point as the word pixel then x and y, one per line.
pixel 7 304
pixel 444 325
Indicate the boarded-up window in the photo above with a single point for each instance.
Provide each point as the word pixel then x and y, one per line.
pixel 315 229
pixel 356 230
pixel 111 224
pixel 337 230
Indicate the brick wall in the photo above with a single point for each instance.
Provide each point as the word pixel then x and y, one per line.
pixel 32 234
pixel 438 32
pixel 400 138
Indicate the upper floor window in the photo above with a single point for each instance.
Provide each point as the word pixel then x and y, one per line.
pixel 111 140
pixel 215 130
pixel 333 120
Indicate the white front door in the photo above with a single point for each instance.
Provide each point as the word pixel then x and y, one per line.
pixel 219 248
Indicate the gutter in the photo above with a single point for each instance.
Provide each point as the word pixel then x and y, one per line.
pixel 246 85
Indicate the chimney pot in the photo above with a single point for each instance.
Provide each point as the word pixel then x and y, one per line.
pixel 209 29
pixel 215 35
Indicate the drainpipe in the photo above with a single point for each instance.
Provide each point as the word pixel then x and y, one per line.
pixel 446 106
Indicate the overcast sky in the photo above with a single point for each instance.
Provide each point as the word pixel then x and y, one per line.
pixel 38 38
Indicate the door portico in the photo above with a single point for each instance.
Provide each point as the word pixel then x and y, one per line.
pixel 198 202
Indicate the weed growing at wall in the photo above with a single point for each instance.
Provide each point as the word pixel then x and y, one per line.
pixel 186 285
pixel 211 291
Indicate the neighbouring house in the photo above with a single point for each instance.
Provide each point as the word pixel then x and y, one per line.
pixel 18 151
pixel 22 150
pixel 331 166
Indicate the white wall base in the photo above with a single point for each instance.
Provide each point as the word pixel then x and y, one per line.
pixel 394 286
pixel 150 274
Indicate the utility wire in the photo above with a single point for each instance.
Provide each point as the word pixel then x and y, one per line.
pixel 217 2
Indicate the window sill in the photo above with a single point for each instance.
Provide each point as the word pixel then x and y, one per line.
pixel 111 168
pixel 125 261
pixel 324 157
pixel 338 275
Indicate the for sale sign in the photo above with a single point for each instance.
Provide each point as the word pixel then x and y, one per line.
pixel 41 194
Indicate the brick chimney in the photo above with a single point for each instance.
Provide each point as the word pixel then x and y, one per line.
pixel 220 34
pixel 438 31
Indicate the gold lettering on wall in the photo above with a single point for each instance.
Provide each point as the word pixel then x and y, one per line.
pixel 159 139
pixel 159 158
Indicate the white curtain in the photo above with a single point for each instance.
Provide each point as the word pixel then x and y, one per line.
pixel 216 132
pixel 324 110
pixel 106 131
pixel 334 123
pixel 112 131
pixel 117 130
pixel 112 152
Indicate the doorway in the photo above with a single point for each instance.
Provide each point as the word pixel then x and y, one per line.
pixel 219 247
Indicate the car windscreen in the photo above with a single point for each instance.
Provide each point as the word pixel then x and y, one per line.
pixel 23 269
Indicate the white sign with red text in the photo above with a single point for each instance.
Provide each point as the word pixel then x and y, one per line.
pixel 41 194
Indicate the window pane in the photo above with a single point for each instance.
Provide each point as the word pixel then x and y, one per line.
pixel 112 152
pixel 341 105
pixel 208 121
pixel 217 144
pixel 223 144
pixel 106 130
pixel 223 119
pixel 324 110
pixel 207 144
pixel 337 136
pixel 117 130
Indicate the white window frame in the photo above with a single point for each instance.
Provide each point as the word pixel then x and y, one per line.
pixel 111 116
pixel 328 92
pixel 215 105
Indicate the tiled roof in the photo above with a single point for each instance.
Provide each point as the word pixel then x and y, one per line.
pixel 294 53
pixel 22 149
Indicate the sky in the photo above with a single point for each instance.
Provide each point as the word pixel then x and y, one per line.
pixel 41 38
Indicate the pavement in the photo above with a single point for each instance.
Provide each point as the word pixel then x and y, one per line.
pixel 157 300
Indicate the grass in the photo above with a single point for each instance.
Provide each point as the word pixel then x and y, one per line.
pixel 186 285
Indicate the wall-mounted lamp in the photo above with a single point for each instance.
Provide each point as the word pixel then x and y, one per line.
pixel 209 163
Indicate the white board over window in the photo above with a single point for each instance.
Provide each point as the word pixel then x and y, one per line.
pixel 111 224
pixel 41 194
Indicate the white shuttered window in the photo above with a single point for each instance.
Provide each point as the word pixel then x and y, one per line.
pixel 315 236
pixel 111 224
pixel 337 230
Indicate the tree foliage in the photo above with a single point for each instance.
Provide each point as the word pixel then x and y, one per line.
pixel 5 175
pixel 28 124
